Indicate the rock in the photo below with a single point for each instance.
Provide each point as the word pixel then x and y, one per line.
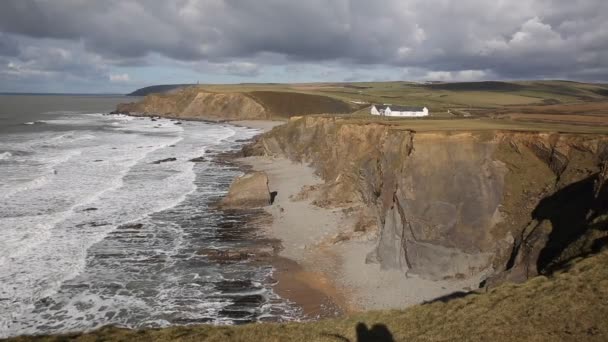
pixel 238 254
pixel 164 160
pixel 131 226
pixel 248 191
pixel 90 209
pixel 224 256
pixel 198 160
pixel 177 123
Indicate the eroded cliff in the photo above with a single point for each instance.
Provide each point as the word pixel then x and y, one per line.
pixel 503 205
pixel 197 103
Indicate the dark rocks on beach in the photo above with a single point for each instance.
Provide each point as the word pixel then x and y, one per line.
pixel 238 254
pixel 164 160
pixel 217 255
pixel 178 123
pixel 117 112
pixel 131 226
pixel 198 160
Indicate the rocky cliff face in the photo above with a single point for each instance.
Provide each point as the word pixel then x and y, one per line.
pixel 504 205
pixel 190 103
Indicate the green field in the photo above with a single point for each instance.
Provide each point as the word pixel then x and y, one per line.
pixel 439 97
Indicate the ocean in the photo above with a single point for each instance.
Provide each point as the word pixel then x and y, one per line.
pixel 95 230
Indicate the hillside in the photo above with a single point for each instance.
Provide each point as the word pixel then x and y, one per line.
pixel 197 103
pixel 157 89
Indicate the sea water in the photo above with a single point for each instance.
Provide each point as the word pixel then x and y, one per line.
pixel 94 231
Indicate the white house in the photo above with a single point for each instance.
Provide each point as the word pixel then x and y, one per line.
pixel 403 111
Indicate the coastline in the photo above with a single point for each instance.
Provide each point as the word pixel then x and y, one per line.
pixel 318 270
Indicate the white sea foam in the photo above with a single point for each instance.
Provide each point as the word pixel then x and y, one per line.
pixel 37 122
pixel 5 155
pixel 46 229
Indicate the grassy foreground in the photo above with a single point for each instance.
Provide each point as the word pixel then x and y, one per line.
pixel 571 305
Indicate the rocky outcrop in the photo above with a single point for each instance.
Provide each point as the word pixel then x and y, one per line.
pixel 491 204
pixel 248 191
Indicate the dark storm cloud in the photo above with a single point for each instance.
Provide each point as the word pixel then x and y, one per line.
pixel 521 39
pixel 8 45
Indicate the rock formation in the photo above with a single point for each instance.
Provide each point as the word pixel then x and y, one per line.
pixel 503 205
pixel 248 191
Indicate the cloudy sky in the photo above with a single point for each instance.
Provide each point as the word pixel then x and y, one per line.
pixel 120 45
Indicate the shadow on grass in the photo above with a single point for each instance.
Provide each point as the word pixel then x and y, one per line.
pixel 448 297
pixel 377 333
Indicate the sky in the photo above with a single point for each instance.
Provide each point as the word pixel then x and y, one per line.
pixel 116 46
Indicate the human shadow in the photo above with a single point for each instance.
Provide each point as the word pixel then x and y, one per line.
pixel 377 333
pixel 448 297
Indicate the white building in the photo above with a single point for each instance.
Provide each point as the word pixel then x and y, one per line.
pixel 403 111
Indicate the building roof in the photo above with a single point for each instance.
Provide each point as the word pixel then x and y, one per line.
pixel 380 107
pixel 406 109
pixel 400 108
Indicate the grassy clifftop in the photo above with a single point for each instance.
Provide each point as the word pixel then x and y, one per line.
pixel 547 102
pixel 571 305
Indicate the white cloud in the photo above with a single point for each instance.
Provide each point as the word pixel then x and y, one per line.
pixel 453 76
pixel 119 78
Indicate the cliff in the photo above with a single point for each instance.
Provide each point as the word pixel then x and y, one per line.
pixel 501 204
pixel 197 103
pixel 163 88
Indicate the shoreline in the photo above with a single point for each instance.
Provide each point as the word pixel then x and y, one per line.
pixel 318 269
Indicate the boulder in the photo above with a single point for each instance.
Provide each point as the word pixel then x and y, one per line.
pixel 248 191
pixel 198 160
pixel 164 161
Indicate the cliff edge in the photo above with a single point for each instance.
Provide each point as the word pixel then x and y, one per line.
pixel 499 205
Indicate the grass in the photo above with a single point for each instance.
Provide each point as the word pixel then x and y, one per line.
pixel 439 97
pixel 287 104
pixel 571 305
pixel 471 124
